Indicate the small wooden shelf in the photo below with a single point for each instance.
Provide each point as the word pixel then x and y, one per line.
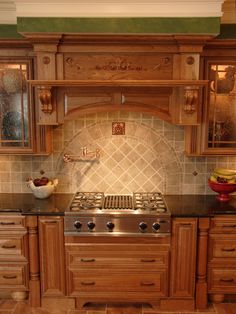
pixel 118 83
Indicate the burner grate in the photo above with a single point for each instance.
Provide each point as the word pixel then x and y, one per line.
pixel 118 202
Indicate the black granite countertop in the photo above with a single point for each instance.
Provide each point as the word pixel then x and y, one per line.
pixel 179 205
pixel 27 204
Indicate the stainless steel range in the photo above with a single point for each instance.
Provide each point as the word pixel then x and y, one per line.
pixel 93 213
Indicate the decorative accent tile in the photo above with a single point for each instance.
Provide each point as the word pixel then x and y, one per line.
pixel 118 128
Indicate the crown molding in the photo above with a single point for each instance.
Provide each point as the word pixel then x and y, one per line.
pixel 7 12
pixel 118 8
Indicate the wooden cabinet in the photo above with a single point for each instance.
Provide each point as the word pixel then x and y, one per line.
pixel 17 120
pixel 51 247
pixel 222 257
pixel 183 258
pixel 14 269
pixel 216 135
pixel 124 269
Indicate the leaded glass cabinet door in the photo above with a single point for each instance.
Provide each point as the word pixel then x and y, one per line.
pixel 15 113
pixel 220 117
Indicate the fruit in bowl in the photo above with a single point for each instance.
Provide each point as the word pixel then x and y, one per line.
pixel 42 187
pixel 223 181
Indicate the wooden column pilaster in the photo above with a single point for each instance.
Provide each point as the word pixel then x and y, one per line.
pixel 201 284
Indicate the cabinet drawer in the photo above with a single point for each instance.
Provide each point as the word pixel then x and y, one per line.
pixel 223 224
pixel 11 222
pixel 100 281
pixel 222 246
pixel 142 262
pixel 149 256
pixel 222 280
pixel 13 275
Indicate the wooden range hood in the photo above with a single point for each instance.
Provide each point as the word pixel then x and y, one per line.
pixel 175 101
pixel 82 74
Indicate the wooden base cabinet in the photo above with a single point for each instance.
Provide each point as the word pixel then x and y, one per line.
pixel 51 248
pixel 222 258
pixel 183 260
pixel 124 269
pixel 14 268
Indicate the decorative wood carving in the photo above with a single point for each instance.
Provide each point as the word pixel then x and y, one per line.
pixel 191 96
pixel 45 97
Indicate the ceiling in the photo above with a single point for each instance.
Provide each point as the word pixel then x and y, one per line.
pixel 10 10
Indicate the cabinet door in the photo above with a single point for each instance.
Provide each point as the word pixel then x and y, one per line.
pixel 221 115
pixel 17 117
pixel 183 257
pixel 51 248
pixel 16 114
pixel 217 133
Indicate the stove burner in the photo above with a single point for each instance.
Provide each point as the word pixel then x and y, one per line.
pixel 87 200
pixel 150 201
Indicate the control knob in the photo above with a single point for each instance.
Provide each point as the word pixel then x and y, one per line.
pixel 110 225
pixel 143 226
pixel 156 226
pixel 77 224
pixel 91 225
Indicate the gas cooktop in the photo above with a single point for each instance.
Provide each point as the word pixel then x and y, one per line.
pixel 152 202
pixel 94 213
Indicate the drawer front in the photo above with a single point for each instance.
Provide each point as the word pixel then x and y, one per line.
pixel 11 222
pixel 13 276
pixel 223 224
pixel 100 281
pixel 117 256
pixel 91 261
pixel 12 249
pixel 222 280
pixel 222 246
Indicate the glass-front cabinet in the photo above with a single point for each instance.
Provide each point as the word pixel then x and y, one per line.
pixel 219 136
pixel 15 112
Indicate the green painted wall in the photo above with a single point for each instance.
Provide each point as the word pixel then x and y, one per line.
pixel 9 31
pixel 121 25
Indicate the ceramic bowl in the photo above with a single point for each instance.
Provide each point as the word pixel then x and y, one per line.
pixel 43 191
pixel 223 189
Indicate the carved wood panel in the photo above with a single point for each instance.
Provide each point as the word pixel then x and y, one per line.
pixel 116 66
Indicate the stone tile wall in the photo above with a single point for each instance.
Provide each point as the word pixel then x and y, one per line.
pixel 149 157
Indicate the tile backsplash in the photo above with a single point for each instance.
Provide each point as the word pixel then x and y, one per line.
pixel 148 157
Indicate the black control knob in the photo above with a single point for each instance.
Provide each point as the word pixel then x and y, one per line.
pixel 143 226
pixel 91 225
pixel 77 224
pixel 156 226
pixel 110 225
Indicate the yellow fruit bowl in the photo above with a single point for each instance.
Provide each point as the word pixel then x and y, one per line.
pixel 223 189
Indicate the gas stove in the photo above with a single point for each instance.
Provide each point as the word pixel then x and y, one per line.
pixel 94 213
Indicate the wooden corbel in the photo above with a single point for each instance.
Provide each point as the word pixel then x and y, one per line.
pixel 45 97
pixel 191 96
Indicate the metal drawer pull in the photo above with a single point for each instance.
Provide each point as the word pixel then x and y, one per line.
pixel 5 246
pixel 87 260
pixel 50 221
pixel 87 283
pixel 147 284
pixel 227 279
pixel 228 249
pixel 146 260
pixel 9 276
pixel 228 226
pixel 7 223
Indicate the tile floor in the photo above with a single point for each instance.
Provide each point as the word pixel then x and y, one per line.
pixel 60 307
